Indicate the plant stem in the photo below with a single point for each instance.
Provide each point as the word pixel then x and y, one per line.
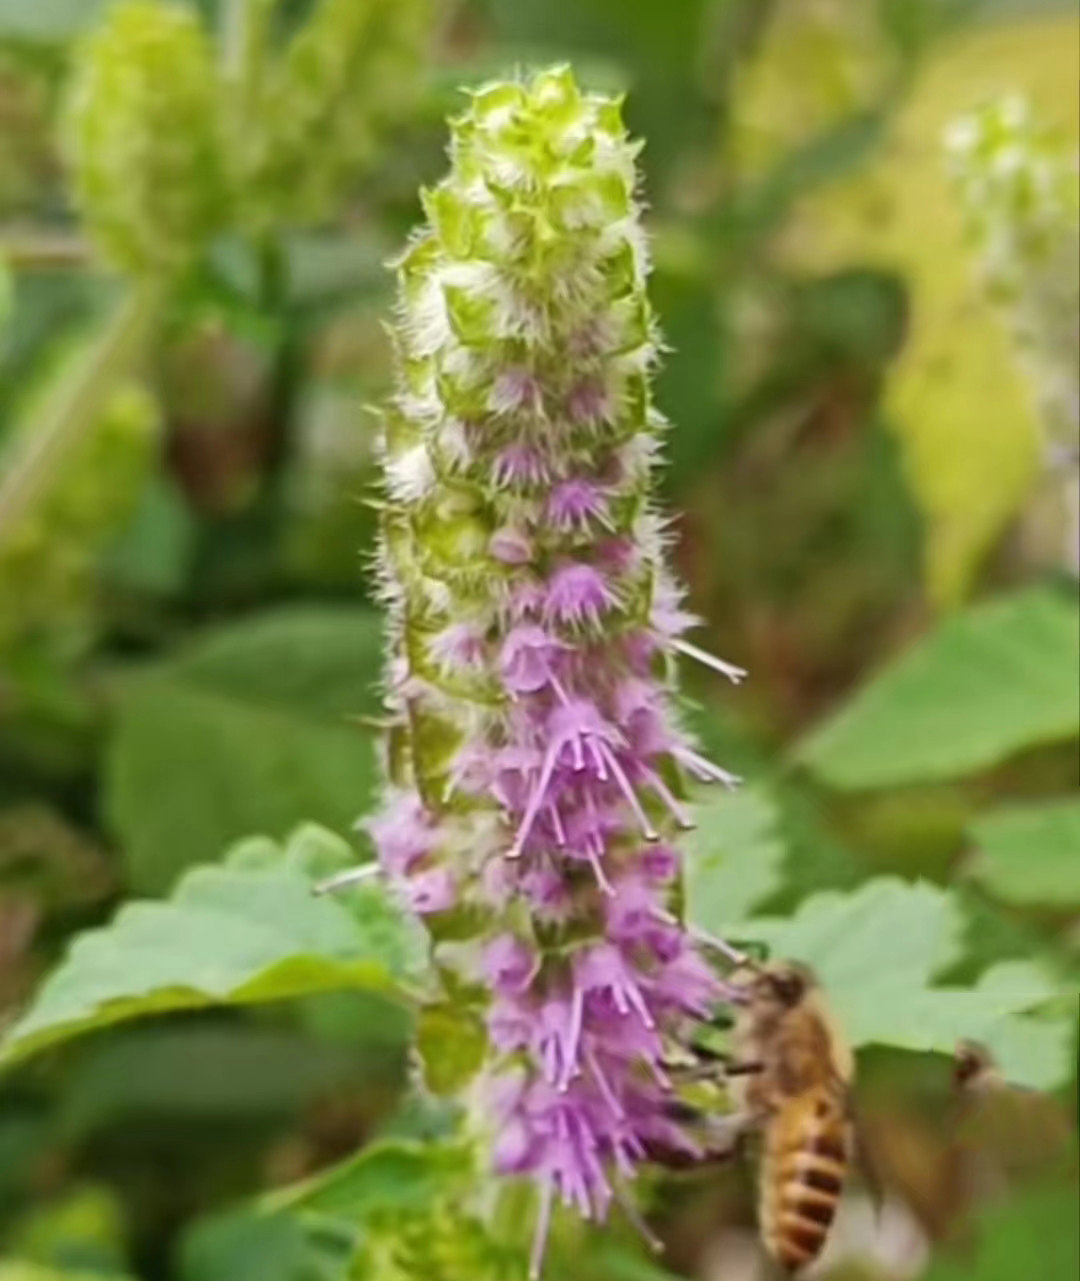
pixel 74 404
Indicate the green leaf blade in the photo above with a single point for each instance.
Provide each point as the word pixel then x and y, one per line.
pixel 230 935
pixel 999 679
pixel 251 730
pixel 734 858
pixel 877 952
pixel 391 1176
pixel 1029 855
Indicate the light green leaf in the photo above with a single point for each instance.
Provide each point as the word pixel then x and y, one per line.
pixel 391 1176
pixel 234 934
pixel 1003 677
pixel 1037 1051
pixel 877 952
pixel 251 730
pixel 1030 854
pixel 734 857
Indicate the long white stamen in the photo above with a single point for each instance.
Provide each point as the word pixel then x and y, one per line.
pixel 705 769
pixel 543 1226
pixel 352 876
pixel 734 674
pixel 718 944
pixel 681 816
pixel 628 1208
pixel 602 881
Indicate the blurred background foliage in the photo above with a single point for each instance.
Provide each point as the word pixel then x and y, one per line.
pixel 864 218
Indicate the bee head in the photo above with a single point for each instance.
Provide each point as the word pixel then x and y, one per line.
pixel 970 1062
pixel 785 983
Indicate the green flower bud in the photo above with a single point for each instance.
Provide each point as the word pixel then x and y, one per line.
pixel 441 1244
pixel 1019 184
pixel 144 137
pixel 313 120
pixel 1022 199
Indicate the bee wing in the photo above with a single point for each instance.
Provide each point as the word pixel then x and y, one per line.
pixel 863 1159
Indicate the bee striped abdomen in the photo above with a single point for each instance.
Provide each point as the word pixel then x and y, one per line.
pixel 802 1179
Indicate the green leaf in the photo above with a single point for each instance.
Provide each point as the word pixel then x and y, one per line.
pixel 388 1177
pixel 1030 854
pixel 248 931
pixel 244 1246
pixel 734 857
pixel 154 553
pixel 1035 1235
pixel 80 1228
pixel 877 952
pixel 232 1074
pixel 248 731
pixel 617 1263
pixel 1003 677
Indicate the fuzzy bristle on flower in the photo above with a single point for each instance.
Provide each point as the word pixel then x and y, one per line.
pixel 540 780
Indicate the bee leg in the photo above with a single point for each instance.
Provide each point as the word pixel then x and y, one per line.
pixel 683 1113
pixel 706 1064
pixel 866 1161
pixel 720 1136
pixel 706 1053
pixel 744 1069
pixel 692 1073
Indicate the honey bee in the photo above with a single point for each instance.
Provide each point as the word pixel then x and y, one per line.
pixel 790 1077
pixel 792 1084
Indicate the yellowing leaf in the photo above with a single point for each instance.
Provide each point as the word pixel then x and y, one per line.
pixel 957 396
pixel 818 64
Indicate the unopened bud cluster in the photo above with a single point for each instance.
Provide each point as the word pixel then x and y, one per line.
pixel 171 143
pixel 1021 190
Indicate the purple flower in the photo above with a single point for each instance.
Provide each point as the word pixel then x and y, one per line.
pixel 541 782
pixel 577 594
pixel 527 658
pixel 576 505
